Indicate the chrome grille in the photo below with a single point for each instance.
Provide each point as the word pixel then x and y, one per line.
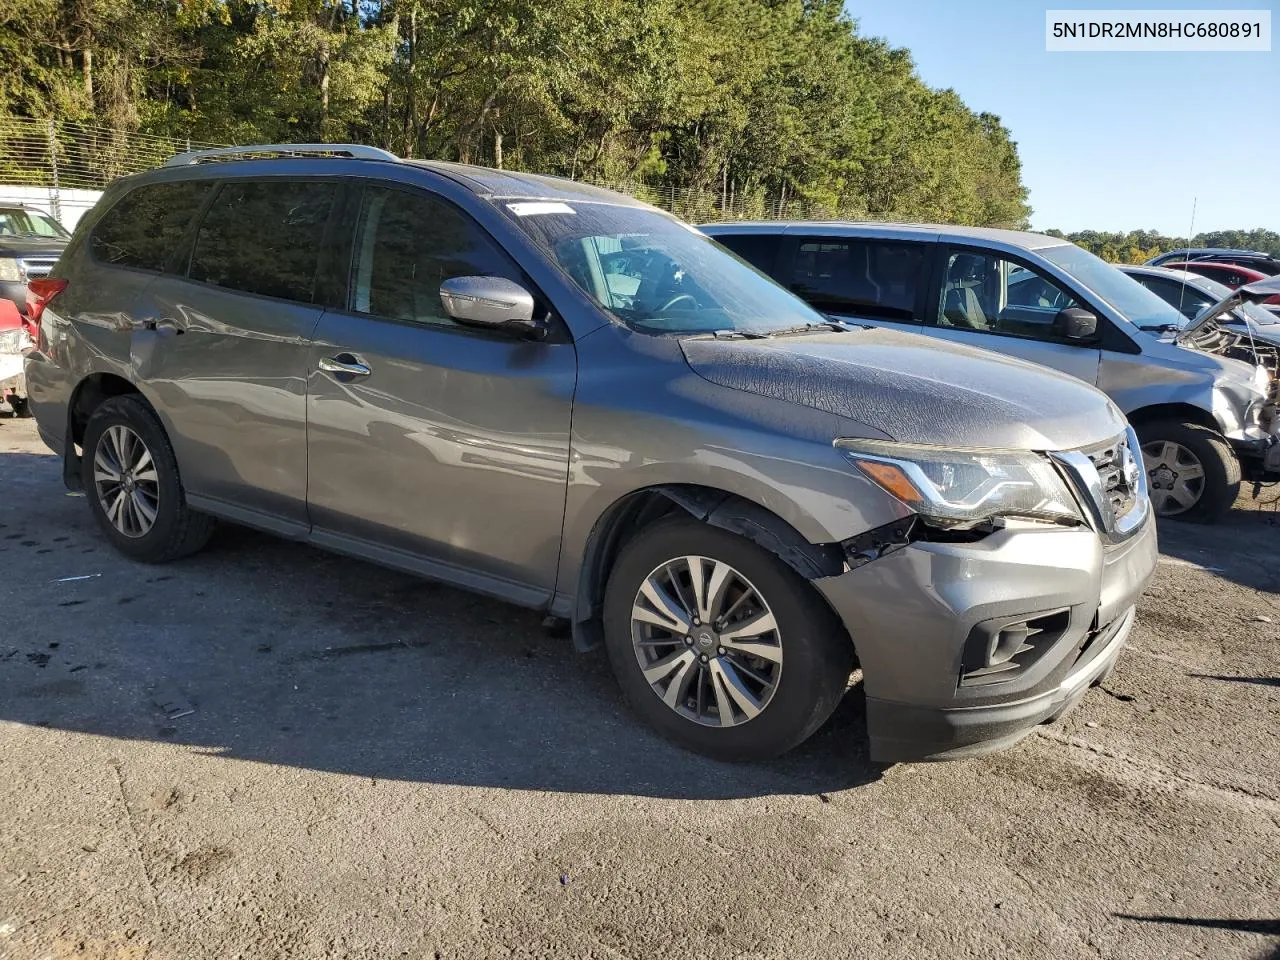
pixel 36 267
pixel 1111 484
pixel 1118 496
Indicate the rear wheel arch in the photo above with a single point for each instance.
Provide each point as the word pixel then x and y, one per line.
pixel 89 394
pixel 636 511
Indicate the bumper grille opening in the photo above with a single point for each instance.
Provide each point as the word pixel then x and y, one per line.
pixel 998 650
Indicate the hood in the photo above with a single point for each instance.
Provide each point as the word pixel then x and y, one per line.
pixel 1254 292
pixel 26 246
pixel 914 388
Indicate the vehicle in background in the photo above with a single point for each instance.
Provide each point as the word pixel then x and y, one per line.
pixel 1258 260
pixel 1192 293
pixel 1204 418
pixel 30 244
pixel 1228 274
pixel 559 396
pixel 13 345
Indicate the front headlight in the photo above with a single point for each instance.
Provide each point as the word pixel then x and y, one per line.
pixel 964 487
pixel 10 271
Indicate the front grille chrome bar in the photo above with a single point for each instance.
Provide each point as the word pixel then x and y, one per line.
pixel 1097 496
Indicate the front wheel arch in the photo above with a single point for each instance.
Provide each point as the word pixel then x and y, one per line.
pixel 624 520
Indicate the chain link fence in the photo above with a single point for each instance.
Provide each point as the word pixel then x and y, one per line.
pixel 60 156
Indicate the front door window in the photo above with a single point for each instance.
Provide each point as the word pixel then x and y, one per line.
pixel 990 294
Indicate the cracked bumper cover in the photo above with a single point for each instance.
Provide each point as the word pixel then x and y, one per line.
pixel 911 614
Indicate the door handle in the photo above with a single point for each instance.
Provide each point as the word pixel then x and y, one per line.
pixel 345 363
pixel 160 323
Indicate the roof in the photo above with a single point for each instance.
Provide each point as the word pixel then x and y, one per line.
pixel 891 230
pixel 512 183
pixel 1180 276
pixel 481 180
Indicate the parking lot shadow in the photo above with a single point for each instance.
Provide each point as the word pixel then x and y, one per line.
pixel 288 655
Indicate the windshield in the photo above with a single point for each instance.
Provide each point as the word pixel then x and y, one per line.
pixel 29 223
pixel 1124 294
pixel 655 274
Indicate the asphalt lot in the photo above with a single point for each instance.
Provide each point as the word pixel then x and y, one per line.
pixel 379 767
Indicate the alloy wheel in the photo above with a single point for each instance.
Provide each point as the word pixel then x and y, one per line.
pixel 126 481
pixel 1175 477
pixel 707 641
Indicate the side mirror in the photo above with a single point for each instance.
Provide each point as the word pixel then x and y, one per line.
pixel 1074 323
pixel 493 302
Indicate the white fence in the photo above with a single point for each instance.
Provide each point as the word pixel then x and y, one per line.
pixel 65 206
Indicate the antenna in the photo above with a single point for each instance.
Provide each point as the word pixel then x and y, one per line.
pixel 1182 291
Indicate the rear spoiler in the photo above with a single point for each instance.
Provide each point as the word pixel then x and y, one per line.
pixel 1250 293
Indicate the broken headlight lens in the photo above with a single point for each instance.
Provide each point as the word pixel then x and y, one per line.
pixel 964 487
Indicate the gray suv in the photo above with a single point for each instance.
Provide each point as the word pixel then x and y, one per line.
pixel 562 398
pixel 1203 403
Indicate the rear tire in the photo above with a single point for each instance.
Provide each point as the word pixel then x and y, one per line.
pixel 1170 451
pixel 144 511
pixel 812 651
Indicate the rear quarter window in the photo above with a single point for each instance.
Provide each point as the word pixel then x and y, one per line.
pixel 147 224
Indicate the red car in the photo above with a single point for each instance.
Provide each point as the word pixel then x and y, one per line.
pixel 1226 273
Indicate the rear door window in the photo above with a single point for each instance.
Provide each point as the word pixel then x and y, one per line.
pixel 867 278
pixel 264 237
pixel 148 224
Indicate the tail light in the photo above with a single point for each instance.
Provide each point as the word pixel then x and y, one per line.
pixel 40 292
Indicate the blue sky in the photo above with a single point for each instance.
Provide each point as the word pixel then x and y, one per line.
pixel 1108 141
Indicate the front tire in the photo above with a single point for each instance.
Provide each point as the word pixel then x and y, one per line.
pixel 1192 472
pixel 720 646
pixel 131 481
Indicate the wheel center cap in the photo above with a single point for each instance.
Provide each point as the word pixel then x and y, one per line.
pixel 128 484
pixel 1163 475
pixel 705 639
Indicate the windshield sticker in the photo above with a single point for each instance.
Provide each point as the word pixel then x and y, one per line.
pixel 534 207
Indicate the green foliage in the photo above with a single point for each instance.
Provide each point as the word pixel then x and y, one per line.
pixel 1137 246
pixel 780 105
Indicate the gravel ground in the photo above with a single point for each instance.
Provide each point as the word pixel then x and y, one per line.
pixel 380 767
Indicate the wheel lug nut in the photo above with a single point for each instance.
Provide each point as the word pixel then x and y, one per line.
pixel 697 622
pixel 688 641
pixel 704 658
pixel 720 651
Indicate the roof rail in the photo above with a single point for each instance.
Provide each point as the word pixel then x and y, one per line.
pixel 354 151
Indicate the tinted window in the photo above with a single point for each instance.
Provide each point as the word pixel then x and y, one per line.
pixel 264 237
pixel 410 243
pixel 993 295
pixel 147 224
pixel 865 277
pixel 758 249
pixel 1182 296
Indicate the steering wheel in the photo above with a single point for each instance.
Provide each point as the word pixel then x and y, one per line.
pixel 676 299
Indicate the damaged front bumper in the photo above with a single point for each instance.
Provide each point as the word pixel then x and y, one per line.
pixel 966 647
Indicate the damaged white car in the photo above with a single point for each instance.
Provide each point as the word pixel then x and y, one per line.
pixel 1200 395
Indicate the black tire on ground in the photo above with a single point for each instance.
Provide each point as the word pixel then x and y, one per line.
pixel 1221 468
pixel 817 654
pixel 178 530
